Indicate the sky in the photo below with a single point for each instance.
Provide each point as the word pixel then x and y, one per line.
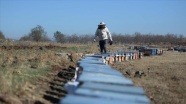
pixel 18 17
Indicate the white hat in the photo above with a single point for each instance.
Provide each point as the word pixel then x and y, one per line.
pixel 102 23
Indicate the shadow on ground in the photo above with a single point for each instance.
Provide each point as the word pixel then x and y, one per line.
pixel 56 86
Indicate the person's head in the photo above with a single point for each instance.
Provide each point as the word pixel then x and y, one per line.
pixel 102 25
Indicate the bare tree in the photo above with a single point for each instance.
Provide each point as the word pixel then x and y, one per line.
pixel 59 37
pixel 38 34
pixel 148 38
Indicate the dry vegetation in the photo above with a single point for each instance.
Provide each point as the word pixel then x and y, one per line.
pixel 164 79
pixel 34 73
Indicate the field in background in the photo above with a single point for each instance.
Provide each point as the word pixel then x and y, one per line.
pixel 36 72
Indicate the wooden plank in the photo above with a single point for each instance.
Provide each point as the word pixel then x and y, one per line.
pixel 77 99
pixel 102 70
pixel 91 58
pixel 93 64
pixel 97 68
pixel 112 95
pixel 113 88
pixel 101 55
pixel 104 78
pixel 90 62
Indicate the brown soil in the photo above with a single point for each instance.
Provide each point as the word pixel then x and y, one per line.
pixel 164 78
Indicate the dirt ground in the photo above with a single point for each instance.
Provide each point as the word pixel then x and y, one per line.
pixel 164 79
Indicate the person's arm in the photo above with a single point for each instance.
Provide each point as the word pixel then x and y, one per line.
pixel 96 34
pixel 109 35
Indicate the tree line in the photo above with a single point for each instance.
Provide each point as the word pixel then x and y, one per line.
pixel 138 38
pixel 38 34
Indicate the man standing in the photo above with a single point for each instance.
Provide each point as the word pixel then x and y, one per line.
pixel 103 34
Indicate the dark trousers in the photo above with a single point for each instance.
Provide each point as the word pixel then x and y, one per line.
pixel 102 44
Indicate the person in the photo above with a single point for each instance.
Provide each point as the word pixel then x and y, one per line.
pixel 104 35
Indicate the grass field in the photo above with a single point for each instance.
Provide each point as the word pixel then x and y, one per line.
pixel 36 72
pixel 30 72
pixel 164 79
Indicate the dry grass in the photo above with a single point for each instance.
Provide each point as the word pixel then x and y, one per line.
pixel 164 82
pixel 20 68
pixel 26 73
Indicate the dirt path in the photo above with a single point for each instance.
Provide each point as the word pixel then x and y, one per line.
pixel 164 79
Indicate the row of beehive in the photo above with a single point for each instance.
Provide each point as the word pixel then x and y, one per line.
pixel 123 57
pixel 152 51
